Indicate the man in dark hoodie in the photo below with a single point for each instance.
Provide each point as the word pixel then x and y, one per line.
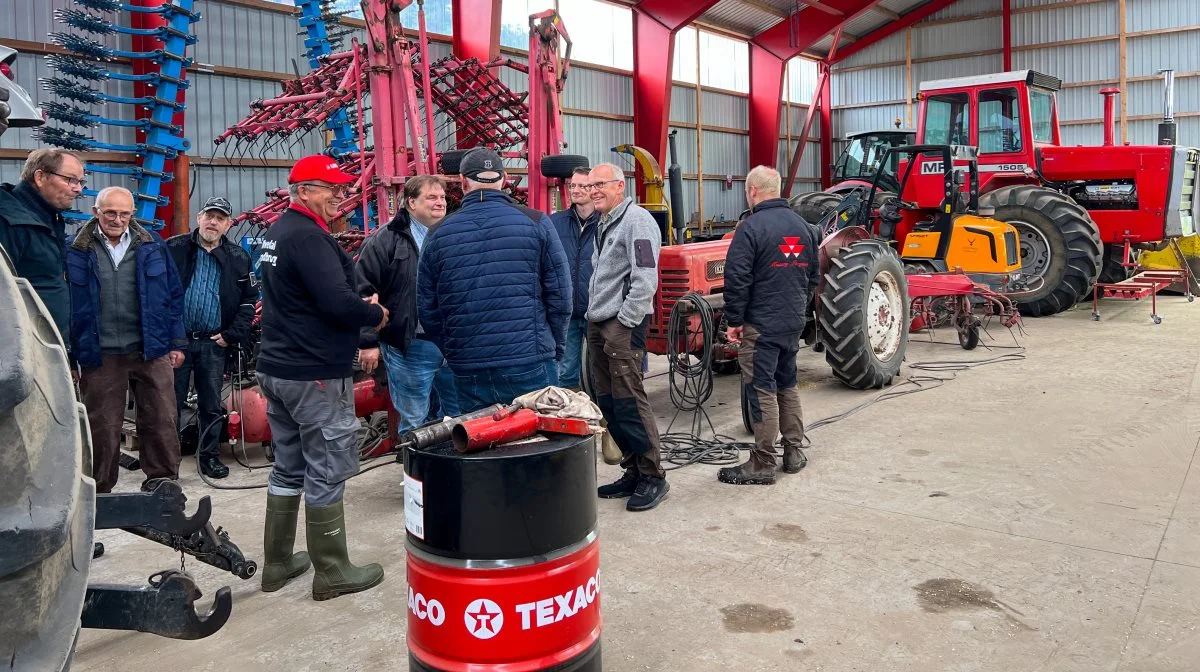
pixel 576 228
pixel 32 230
pixel 387 266
pixel 311 321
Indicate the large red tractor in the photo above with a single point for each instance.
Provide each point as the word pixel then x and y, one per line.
pixel 1080 212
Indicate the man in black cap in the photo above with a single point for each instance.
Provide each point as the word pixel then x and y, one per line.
pixel 218 306
pixel 494 290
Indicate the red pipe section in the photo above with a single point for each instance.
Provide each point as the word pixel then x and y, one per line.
pixel 501 427
pixel 1110 114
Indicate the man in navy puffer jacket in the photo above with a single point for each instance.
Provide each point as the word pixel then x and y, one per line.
pixel 576 228
pixel 494 290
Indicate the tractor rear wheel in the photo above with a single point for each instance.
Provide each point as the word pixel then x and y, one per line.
pixel 864 315
pixel 813 206
pixel 1060 245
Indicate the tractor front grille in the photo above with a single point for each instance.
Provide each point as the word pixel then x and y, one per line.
pixel 1010 248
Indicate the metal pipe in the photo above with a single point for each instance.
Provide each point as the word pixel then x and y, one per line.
pixel 1168 94
pixel 1110 113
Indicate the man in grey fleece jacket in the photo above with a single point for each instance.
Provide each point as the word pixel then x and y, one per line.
pixel 621 299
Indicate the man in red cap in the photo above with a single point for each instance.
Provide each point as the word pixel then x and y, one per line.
pixel 311 319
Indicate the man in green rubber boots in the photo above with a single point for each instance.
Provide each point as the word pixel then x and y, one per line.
pixel 311 319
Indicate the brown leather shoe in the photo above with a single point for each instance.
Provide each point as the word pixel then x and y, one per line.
pixel 748 473
pixel 793 459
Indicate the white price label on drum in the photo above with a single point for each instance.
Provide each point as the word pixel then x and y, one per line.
pixel 414 506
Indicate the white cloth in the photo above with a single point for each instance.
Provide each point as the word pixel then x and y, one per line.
pixel 117 252
pixel 557 402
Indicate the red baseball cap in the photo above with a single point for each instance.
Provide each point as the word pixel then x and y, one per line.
pixel 318 167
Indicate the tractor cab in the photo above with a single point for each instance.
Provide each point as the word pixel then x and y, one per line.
pixel 1007 116
pixel 859 161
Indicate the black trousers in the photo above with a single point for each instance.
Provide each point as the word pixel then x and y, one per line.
pixel 615 354
pixel 203 362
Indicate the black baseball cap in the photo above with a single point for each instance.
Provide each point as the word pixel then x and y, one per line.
pixel 482 165
pixel 219 204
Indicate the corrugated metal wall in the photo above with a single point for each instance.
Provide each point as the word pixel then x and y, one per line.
pixel 966 39
pixel 252 38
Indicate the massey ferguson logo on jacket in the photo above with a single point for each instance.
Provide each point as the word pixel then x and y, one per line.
pixel 792 250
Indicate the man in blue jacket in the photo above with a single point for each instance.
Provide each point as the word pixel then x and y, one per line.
pixel 771 272
pixel 126 328
pixel 576 228
pixel 494 290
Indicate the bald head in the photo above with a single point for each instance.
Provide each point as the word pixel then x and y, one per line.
pixel 762 183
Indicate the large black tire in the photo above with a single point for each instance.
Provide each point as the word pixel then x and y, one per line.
pixel 1059 243
pixel 864 315
pixel 562 166
pixel 47 498
pixel 1111 269
pixel 814 205
pixel 451 161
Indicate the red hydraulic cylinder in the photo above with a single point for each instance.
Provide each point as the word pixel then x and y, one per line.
pixel 1110 103
pixel 501 427
pixel 766 95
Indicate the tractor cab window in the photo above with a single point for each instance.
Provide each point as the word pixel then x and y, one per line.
pixel 999 121
pixel 948 120
pixel 851 162
pixel 1041 112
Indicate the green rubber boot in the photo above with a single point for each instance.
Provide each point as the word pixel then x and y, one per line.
pixel 279 537
pixel 335 575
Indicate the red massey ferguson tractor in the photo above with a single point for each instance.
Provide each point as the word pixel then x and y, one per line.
pixel 1080 212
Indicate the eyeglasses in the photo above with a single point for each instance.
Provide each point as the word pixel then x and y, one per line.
pixel 597 185
pixel 116 214
pixel 71 181
pixel 336 189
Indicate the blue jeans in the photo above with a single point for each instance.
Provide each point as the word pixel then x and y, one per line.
pixel 203 361
pixel 484 387
pixel 572 362
pixel 412 377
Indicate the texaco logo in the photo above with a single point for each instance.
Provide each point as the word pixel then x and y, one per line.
pixel 483 618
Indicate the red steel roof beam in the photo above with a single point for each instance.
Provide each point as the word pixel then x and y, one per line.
pixel 876 36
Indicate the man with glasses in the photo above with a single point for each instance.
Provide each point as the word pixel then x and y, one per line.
pixel 126 331
pixel 621 298
pixel 32 230
pixel 576 228
pixel 311 319
pixel 218 306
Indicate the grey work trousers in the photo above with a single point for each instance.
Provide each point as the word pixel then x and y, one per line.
pixel 315 435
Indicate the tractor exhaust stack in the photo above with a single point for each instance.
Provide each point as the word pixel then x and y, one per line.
pixel 1110 103
pixel 1167 131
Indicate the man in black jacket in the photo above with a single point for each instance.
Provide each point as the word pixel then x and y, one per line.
pixel 311 318
pixel 32 230
pixel 218 306
pixel 387 266
pixel 771 272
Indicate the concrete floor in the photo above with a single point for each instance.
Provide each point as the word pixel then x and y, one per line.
pixel 1037 515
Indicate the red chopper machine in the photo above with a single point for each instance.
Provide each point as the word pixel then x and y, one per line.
pixel 416 106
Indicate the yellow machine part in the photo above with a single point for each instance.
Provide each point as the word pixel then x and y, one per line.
pixel 1168 260
pixel 652 178
pixel 977 245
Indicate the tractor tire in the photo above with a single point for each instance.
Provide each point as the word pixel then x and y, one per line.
pixel 1111 269
pixel 1059 244
pixel 863 313
pixel 813 206
pixel 451 161
pixel 47 497
pixel 562 166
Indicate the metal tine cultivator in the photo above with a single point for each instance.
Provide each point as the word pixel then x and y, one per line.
pixel 159 64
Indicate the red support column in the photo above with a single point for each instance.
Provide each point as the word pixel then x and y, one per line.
pixel 826 128
pixel 1006 11
pixel 766 98
pixel 653 58
pixel 476 28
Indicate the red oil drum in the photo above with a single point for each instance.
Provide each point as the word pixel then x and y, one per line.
pixel 503 563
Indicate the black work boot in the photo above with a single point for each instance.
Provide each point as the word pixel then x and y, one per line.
pixel 750 472
pixel 622 487
pixel 793 459
pixel 213 467
pixel 650 491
